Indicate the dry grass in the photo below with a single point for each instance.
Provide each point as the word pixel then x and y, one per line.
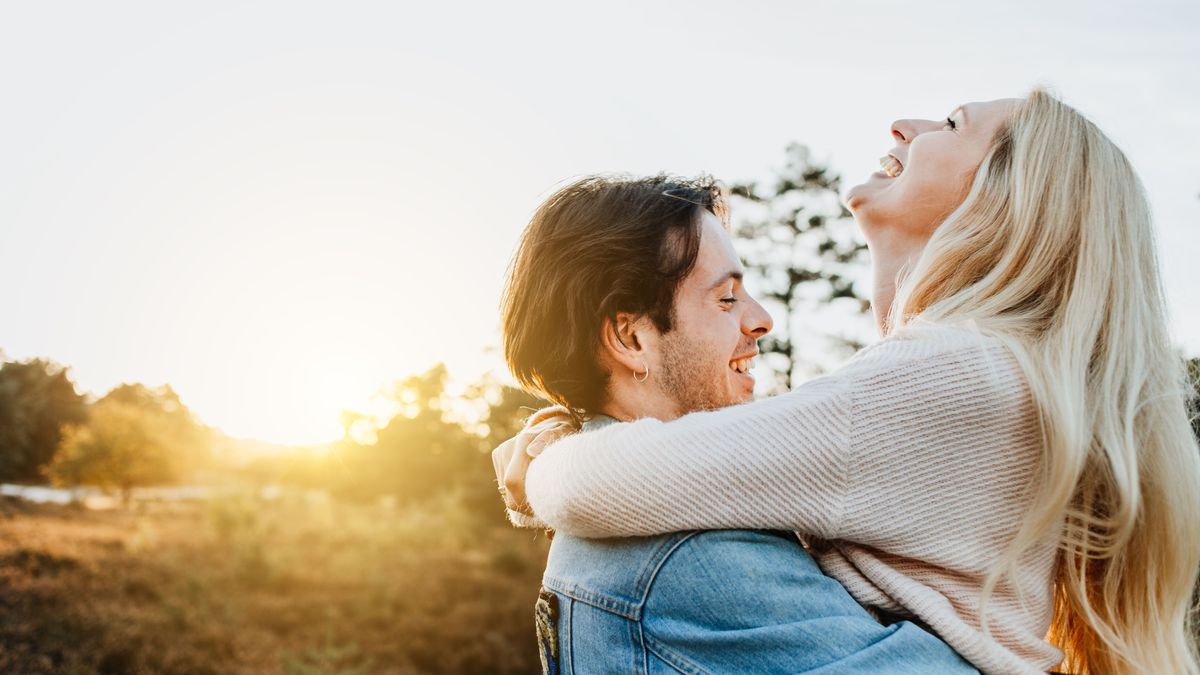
pixel 293 587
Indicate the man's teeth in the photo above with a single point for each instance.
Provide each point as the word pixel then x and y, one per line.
pixel 891 165
pixel 742 365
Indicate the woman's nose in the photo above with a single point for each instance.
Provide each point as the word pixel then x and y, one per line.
pixel 906 130
pixel 902 130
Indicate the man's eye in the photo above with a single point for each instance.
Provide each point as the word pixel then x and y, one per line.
pixel 729 301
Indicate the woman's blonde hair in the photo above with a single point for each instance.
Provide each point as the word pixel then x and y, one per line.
pixel 1053 252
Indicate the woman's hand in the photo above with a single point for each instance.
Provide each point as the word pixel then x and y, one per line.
pixel 511 458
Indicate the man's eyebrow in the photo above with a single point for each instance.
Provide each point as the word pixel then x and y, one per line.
pixel 731 274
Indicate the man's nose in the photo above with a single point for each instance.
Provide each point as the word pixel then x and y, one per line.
pixel 906 130
pixel 757 322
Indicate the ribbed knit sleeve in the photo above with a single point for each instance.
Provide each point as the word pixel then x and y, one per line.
pixel 761 465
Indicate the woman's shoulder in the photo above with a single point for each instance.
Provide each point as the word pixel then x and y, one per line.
pixel 927 354
pixel 925 341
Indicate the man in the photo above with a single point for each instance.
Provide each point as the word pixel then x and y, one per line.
pixel 625 300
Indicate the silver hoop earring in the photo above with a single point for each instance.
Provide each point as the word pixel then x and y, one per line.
pixel 645 377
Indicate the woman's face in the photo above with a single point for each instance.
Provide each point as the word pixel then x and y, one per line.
pixel 927 173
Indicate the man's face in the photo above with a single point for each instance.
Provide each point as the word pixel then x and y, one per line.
pixel 703 362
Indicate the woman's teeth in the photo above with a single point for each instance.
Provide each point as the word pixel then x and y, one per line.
pixel 742 365
pixel 891 165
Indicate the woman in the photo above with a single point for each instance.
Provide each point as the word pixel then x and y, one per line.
pixel 1011 465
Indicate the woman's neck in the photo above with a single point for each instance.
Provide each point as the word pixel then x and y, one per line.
pixel 891 258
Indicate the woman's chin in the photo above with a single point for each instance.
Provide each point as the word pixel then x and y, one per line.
pixel 864 193
pixel 859 195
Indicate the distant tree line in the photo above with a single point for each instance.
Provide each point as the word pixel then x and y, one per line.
pixel 136 435
pixel 133 435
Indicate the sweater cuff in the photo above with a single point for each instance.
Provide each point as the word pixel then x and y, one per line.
pixel 526 522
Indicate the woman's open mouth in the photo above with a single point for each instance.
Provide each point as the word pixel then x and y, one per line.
pixel 891 166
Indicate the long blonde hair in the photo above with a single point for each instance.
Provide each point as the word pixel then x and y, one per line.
pixel 1053 252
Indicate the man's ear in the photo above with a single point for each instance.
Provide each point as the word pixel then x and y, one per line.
pixel 623 339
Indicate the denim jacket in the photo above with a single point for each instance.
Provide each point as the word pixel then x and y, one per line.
pixel 723 601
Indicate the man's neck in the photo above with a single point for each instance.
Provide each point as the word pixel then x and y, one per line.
pixel 627 411
pixel 628 401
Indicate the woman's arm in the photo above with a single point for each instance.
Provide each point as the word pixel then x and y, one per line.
pixel 780 463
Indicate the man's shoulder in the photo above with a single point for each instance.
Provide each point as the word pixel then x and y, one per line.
pixel 612 574
pixel 619 574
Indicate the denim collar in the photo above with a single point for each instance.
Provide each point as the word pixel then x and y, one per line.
pixel 598 421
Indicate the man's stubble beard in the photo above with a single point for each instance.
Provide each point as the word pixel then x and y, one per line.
pixel 690 377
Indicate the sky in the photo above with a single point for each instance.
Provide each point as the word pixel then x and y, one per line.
pixel 280 207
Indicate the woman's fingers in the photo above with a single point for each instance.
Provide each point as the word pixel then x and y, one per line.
pixel 511 459
pixel 514 478
pixel 500 457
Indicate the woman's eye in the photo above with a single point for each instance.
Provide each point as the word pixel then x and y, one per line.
pixel 951 123
pixel 728 301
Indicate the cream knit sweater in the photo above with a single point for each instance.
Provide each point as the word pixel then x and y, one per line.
pixel 906 470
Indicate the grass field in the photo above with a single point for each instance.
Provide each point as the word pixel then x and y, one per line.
pixel 295 586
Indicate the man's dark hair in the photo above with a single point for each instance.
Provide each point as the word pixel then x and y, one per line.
pixel 599 246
